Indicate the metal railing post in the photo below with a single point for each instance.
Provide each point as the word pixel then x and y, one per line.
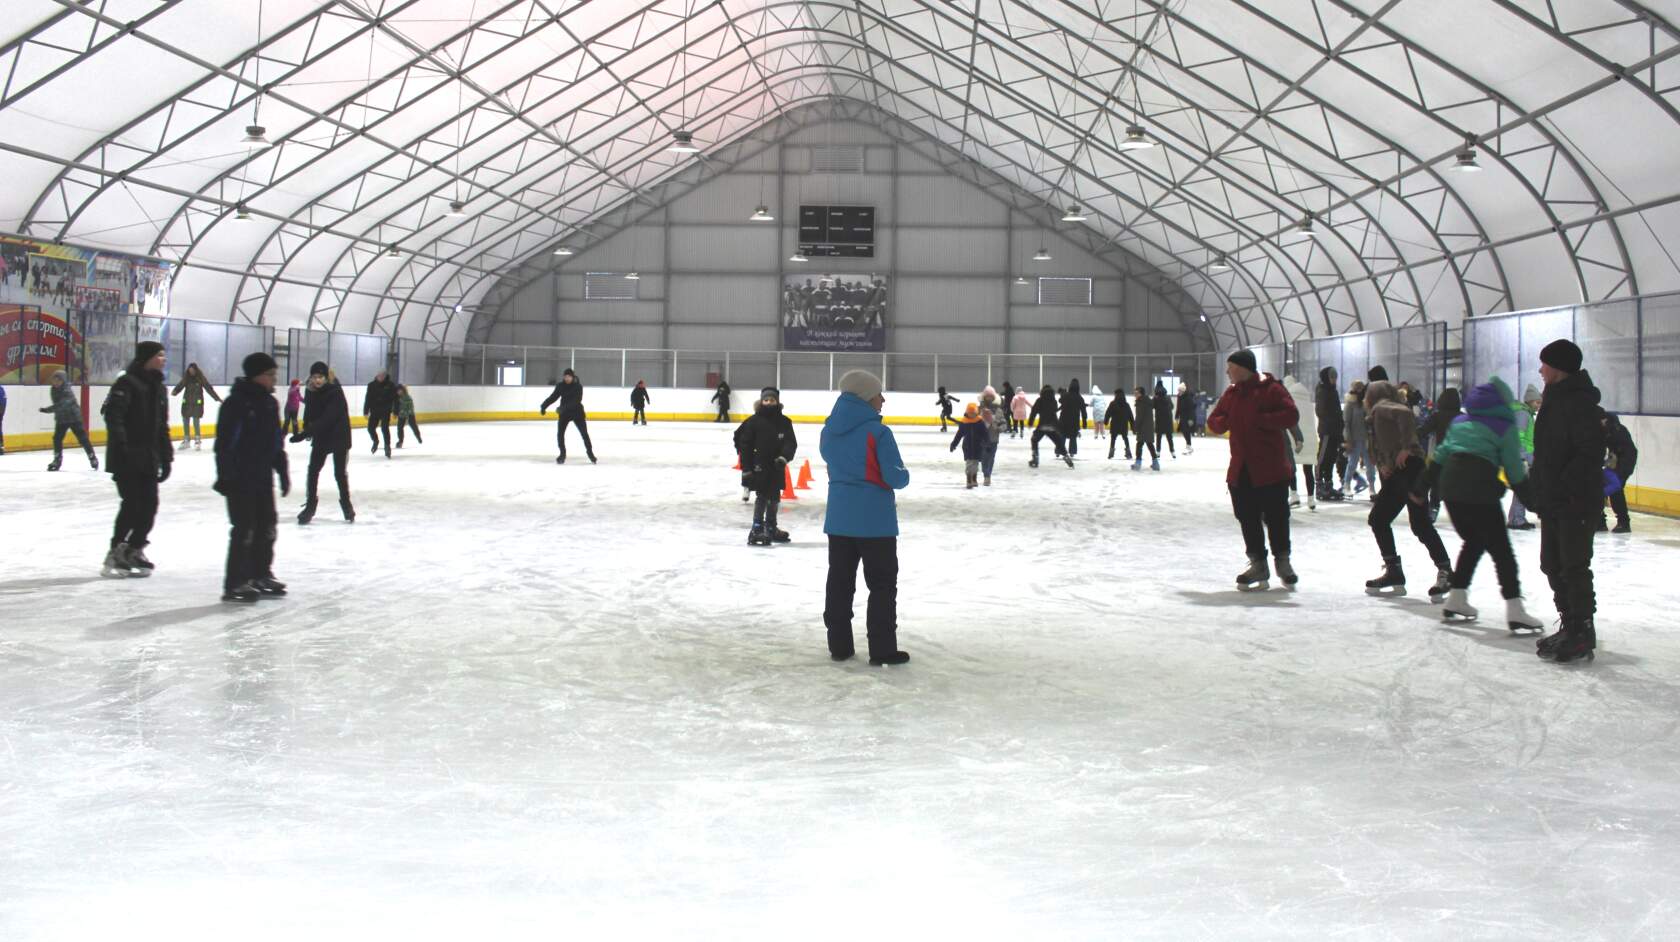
pixel 936 371
pixel 483 361
pixel 726 366
pixel 1041 371
pixel 988 369
pixel 831 372
pixel 674 354
pixel 623 367
pixel 778 369
pixel 884 370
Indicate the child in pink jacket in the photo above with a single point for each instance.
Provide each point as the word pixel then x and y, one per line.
pixel 1020 407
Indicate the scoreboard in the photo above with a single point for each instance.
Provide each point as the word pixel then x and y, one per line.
pixel 837 231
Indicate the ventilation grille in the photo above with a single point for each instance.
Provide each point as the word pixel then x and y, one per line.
pixel 1064 291
pixel 837 159
pixel 609 286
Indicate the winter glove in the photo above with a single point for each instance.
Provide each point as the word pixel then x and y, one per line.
pixel 47 409
pixel 543 411
pixel 1612 482
pixel 163 471
pixel 1298 445
pixel 1524 491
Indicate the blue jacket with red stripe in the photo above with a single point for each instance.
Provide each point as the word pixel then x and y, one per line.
pixel 864 468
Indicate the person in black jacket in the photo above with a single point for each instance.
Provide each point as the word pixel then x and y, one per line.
pixel 570 393
pixel 381 398
pixel 326 424
pixel 1043 421
pixel 138 454
pixel 67 417
pixel 1119 421
pixel 1187 417
pixel 1008 416
pixel 721 397
pixel 1073 415
pixel 250 452
pixel 1163 420
pixel 639 399
pixel 765 444
pixel 1327 405
pixel 1568 489
pixel 944 402
pixel 1621 460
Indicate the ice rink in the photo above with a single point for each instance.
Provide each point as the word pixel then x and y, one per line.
pixel 516 700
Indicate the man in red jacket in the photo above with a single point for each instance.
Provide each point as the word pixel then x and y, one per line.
pixel 1258 412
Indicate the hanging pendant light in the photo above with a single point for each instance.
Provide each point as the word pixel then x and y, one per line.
pixel 682 142
pixel 1136 139
pixel 1220 264
pixel 762 214
pixel 240 212
pixel 392 251
pixel 1073 214
pixel 632 276
pixel 456 208
pixel 1305 229
pixel 255 134
pixel 798 256
pixel 1042 255
pixel 1465 160
pixel 1022 282
pixel 564 250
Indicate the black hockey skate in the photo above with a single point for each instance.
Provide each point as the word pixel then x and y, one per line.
pixel 1285 571
pixel 57 462
pixel 1391 582
pixel 268 586
pixel 307 513
pixel 1576 641
pixel 758 536
pixel 348 511
pixel 1443 585
pixel 137 559
pixel 897 657
pixel 244 594
pixel 778 535
pixel 1069 460
pixel 1257 577
pixel 561 459
pixel 1033 463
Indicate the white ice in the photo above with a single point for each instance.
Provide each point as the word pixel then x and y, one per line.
pixel 516 700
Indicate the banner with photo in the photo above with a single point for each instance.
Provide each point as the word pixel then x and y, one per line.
pixel 834 313
pixel 35 344
pixel 55 278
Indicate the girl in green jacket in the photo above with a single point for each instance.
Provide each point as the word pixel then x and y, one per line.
pixel 405 415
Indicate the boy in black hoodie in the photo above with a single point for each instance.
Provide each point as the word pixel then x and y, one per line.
pixel 765 444
pixel 1119 421
pixel 1163 420
pixel 944 402
pixel 1073 415
pixel 326 424
pixel 250 451
pixel 639 399
pixel 138 455
pixel 377 405
pixel 1043 420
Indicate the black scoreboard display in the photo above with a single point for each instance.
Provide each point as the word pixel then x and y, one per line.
pixel 837 231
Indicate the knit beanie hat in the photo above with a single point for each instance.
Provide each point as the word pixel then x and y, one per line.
pixel 1562 355
pixel 770 392
pixel 318 368
pixel 145 350
pixel 1244 359
pixel 257 364
pixel 861 383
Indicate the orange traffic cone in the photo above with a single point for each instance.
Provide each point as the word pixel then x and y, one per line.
pixel 737 463
pixel 804 476
pixel 787 484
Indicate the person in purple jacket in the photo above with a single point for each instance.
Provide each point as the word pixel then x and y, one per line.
pixel 294 401
pixel 864 468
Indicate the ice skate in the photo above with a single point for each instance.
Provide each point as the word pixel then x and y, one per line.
pixel 778 535
pixel 1458 606
pixel 1068 459
pixel 1285 571
pixel 1575 642
pixel 244 594
pixel 897 657
pixel 1517 618
pixel 1033 462
pixel 591 457
pixel 1294 500
pixel 134 561
pixel 348 511
pixel 1154 464
pixel 1257 577
pixel 561 459
pixel 113 567
pixel 1443 584
pixel 757 536
pixel 185 444
pixel 1391 582
pixel 1621 527
pixel 136 557
pixel 746 495
pixel 1137 465
pixel 387 451
pixel 56 463
pixel 375 449
pixel 268 586
pixel 198 444
pixel 988 481
pixel 307 513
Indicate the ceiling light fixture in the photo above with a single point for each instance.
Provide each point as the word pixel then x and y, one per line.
pixel 240 212
pixel 1305 229
pixel 255 134
pixel 762 214
pixel 564 250
pixel 1073 214
pixel 1136 139
pixel 798 256
pixel 393 252
pixel 1465 160
pixel 1220 263
pixel 683 143
pixel 1022 282
pixel 456 208
pixel 632 276
pixel 1042 255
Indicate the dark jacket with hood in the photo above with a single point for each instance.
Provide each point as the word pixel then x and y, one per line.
pixel 137 424
pixel 1186 409
pixel 1044 408
pixel 1163 409
pixel 65 409
pixel 381 397
pixel 639 397
pixel 570 396
pixel 1447 408
pixel 721 396
pixel 1143 418
pixel 971 435
pixel 1327 406
pixel 1569 449
pixel 1623 454
pixel 249 444
pixel 1118 418
pixel 765 443
pixel 1073 414
pixel 326 418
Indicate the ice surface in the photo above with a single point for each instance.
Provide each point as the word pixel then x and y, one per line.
pixel 516 700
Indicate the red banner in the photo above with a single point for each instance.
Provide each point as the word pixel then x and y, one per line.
pixel 34 345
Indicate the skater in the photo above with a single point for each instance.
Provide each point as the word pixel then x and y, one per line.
pixel 1400 462
pixel 1327 410
pixel 381 398
pixel 405 416
pixel 721 397
pixel 250 453
pixel 992 417
pixel 1517 518
pixel 1020 407
pixel 1357 443
pixel 945 402
pixel 192 389
pixel 1305 443
pixel 1620 460
pixel 1257 412
pixel 67 417
pixel 1187 417
pixel 570 393
pixel 2 419
pixel 1466 468
pixel 1072 417
pixel 1099 405
pixel 639 399
pixel 1007 400
pixel 1118 418
pixel 294 401
pixel 326 425
pixel 864 468
pixel 1143 422
pixel 1163 421
pixel 971 435
pixel 138 455
pixel 1569 495
pixel 765 443
pixel 1044 419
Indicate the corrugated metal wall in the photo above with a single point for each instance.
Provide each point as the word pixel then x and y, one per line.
pixel 949 249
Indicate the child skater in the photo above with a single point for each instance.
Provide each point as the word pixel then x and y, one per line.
pixel 993 418
pixel 405 415
pixel 294 401
pixel 944 402
pixel 67 417
pixel 1118 418
pixel 1098 404
pixel 1019 408
pixel 971 435
pixel 639 399
pixel 766 443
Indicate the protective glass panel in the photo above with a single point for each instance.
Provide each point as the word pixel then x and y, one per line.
pixel 370 357
pixel 306 347
pixel 342 358
pixel 1660 356
pixel 1609 335
pixel 806 371
pixel 1491 350
pixel 207 345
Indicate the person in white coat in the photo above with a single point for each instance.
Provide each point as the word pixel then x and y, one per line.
pixel 1098 404
pixel 1304 439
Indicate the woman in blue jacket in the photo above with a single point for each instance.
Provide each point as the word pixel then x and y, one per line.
pixel 864 468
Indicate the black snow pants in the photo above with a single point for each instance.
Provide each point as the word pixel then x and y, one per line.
pixel 582 422
pixel 1566 551
pixel 138 510
pixel 75 428
pixel 378 422
pixel 251 540
pixel 1395 494
pixel 879 556
pixel 1261 511
pixel 1482 528
pixel 1045 430
pixel 341 473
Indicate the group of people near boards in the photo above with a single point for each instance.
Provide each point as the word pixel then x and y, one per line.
pixel 1061 414
pixel 1573 457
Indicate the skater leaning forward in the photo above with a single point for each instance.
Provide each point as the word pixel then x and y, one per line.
pixel 67 418
pixel 1399 458
pixel 765 443
pixel 1257 412
pixel 326 424
pixel 138 455
pixel 250 453
pixel 864 468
